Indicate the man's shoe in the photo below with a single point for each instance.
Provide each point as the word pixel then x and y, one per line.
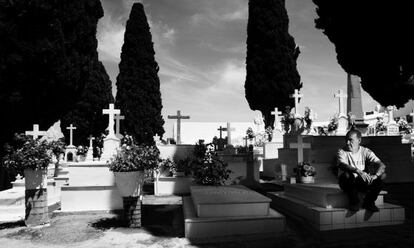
pixel 371 207
pixel 354 207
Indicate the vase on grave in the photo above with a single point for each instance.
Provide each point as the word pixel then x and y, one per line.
pixel 36 197
pixel 130 183
pixel 130 186
pixel 307 179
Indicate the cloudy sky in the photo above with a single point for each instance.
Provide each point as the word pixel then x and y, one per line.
pixel 200 46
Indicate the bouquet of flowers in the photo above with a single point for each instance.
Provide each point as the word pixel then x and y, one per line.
pixel 403 126
pixel 304 169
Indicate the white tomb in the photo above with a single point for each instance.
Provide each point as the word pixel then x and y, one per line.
pixel 225 213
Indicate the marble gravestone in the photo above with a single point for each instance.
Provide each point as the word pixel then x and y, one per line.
pixel 227 213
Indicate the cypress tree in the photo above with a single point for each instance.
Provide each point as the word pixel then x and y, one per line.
pixel 48 63
pixel 373 41
pixel 271 73
pixel 138 86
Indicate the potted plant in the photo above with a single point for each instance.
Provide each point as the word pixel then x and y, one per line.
pixel 129 166
pixel 305 172
pixel 165 167
pixel 182 167
pixel 31 158
pixel 208 169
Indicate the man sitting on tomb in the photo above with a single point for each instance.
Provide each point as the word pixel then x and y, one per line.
pixel 360 171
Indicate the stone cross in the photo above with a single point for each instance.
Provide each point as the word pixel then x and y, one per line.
pixel 111 112
pixel 71 128
pixel 118 119
pixel 221 129
pixel 296 95
pixel 342 96
pixel 91 138
pixel 178 117
pixel 35 133
pixel 229 129
pixel 300 145
pixel 276 113
pixel 391 115
pixel 156 139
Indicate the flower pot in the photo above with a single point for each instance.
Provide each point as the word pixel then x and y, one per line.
pixel 35 179
pixel 307 179
pixel 129 183
pixel 36 206
pixel 179 174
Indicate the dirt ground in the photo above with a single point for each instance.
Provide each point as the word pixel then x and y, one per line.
pixel 163 227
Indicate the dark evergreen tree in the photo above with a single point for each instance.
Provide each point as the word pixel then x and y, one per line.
pixel 373 40
pixel 271 73
pixel 48 63
pixel 138 86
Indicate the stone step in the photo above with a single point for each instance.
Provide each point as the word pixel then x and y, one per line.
pixel 90 198
pixel 228 201
pixel 219 229
pixel 323 195
pixel 336 218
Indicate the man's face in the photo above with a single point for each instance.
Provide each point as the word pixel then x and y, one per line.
pixel 352 142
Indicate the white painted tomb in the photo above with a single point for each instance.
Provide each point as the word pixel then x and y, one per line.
pixel 225 213
pixel 12 201
pixel 323 204
pixel 91 188
pixel 173 185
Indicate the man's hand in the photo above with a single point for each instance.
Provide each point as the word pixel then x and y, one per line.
pixel 365 176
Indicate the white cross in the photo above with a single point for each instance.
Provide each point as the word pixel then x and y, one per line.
pixel 341 95
pixel 71 128
pixel 229 129
pixel 178 117
pixel 35 133
pixel 296 95
pixel 118 119
pixel 90 141
pixel 111 112
pixel 391 115
pixel 300 145
pixel 156 138
pixel 276 113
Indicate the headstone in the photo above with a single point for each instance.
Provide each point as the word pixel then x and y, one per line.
pixel 35 133
pixel 354 103
pixel 229 130
pixel 342 118
pixel 296 95
pixel 157 139
pixel 300 146
pixel 111 142
pixel 118 119
pixel 54 133
pixel 277 127
pixel 89 154
pixel 392 126
pixel 71 128
pixel 258 121
pixel 178 117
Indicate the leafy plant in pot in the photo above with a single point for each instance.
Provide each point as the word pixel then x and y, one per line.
pixel 31 158
pixel 129 166
pixel 208 169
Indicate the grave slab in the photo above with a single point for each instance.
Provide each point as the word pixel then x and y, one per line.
pixel 218 229
pixel 323 195
pixel 228 201
pixel 322 218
